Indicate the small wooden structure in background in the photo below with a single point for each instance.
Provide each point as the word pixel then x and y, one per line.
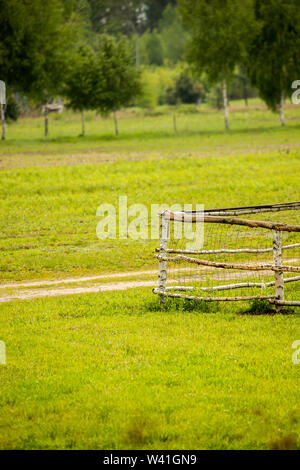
pixel 230 244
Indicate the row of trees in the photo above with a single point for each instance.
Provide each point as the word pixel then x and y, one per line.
pixel 262 36
pixel 66 48
pixel 101 78
pixel 46 52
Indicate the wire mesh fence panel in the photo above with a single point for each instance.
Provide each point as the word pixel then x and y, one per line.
pixel 240 259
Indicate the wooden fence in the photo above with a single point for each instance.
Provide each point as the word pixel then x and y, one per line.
pixel 209 257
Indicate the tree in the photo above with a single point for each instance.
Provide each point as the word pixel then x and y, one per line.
pixel 219 32
pixel 173 35
pixel 154 49
pixel 118 79
pixel 117 17
pixel 124 16
pixel 35 39
pixel 185 91
pixel 81 79
pixel 274 51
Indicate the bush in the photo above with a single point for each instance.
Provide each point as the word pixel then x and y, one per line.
pixel 171 96
pixel 214 97
pixel 185 91
pixel 12 111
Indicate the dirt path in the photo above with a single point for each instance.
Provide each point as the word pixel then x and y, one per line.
pixel 72 280
pixel 31 294
pixel 33 289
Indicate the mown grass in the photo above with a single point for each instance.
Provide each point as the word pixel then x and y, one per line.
pixel 199 130
pixel 48 217
pixel 113 371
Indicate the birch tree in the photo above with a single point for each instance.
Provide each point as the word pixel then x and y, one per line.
pixel 274 51
pixel 219 31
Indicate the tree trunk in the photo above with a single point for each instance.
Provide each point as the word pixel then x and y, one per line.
pixel 46 120
pixel 3 135
pixel 82 123
pixel 281 108
pixel 116 123
pixel 225 104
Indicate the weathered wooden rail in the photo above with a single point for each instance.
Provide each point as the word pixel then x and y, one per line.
pixel 228 216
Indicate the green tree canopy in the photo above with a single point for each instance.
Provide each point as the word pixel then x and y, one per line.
pixel 81 80
pixel 154 49
pixel 219 32
pixel 274 51
pixel 34 39
pixel 173 35
pixel 118 80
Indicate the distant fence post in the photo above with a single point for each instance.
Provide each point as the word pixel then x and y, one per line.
pixel 162 276
pixel 277 252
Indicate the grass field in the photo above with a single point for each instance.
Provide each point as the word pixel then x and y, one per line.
pixel 111 370
pixel 50 190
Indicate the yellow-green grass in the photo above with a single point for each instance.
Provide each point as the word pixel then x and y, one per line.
pixel 112 371
pixel 48 215
pixel 200 130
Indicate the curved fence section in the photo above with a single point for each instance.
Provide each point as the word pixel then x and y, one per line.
pixel 240 258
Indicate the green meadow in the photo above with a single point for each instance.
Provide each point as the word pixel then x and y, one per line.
pixel 111 370
pixel 114 372
pixel 50 189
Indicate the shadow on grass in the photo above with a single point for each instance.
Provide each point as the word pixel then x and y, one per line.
pixel 182 305
pixel 256 307
pixel 263 307
pixel 168 134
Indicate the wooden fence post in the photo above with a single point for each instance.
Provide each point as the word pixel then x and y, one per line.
pixel 277 251
pixel 164 235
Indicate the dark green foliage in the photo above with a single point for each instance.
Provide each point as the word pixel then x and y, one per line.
pixel 214 97
pixel 81 79
pixel 219 33
pixel 240 87
pixel 166 43
pixel 35 38
pixel 274 51
pixel 173 35
pixel 188 91
pixel 156 9
pixel 12 111
pixel 154 49
pixel 118 16
pixel 124 16
pixel 260 307
pixel 171 97
pixel 118 80
pixel 185 91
